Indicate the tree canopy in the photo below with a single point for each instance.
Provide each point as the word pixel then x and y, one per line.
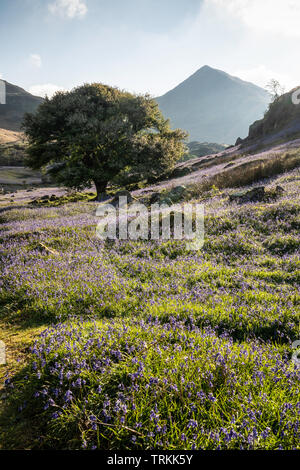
pixel 95 132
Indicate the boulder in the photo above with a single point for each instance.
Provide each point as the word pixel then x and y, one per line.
pixel 180 171
pixel 177 193
pixel 235 196
pixel 168 197
pixel 166 201
pixel 178 189
pixel 155 197
pixel 274 194
pixel 254 195
pixel 279 190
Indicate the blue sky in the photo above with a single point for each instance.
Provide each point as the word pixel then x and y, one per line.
pixel 146 45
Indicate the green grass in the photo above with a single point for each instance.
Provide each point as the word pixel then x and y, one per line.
pixel 19 176
pixel 142 385
pixel 249 172
pixel 161 348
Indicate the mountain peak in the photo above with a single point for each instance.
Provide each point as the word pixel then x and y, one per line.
pixel 214 106
pixel 206 67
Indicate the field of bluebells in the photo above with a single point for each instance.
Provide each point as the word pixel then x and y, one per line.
pixel 146 345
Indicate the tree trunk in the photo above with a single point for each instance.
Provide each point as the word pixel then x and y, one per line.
pixel 100 188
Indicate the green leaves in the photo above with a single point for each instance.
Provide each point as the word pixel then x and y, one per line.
pixel 97 131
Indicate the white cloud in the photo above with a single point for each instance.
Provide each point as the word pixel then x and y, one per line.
pixel 271 16
pixel 35 60
pixel 68 8
pixel 46 89
pixel 261 76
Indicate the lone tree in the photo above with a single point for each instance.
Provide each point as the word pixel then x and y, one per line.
pixel 95 132
pixel 275 89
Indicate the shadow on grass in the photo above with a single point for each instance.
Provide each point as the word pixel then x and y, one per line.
pixel 20 312
pixel 21 426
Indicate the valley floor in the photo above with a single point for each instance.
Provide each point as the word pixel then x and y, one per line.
pixel 144 345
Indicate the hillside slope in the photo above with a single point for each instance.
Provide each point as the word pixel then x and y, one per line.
pixel 9 137
pixel 281 122
pixel 12 148
pixel 18 102
pixel 214 106
pixel 200 149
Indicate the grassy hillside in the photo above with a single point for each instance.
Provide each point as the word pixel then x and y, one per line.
pixel 146 345
pixel 12 176
pixel 18 102
pixel 9 137
pixel 12 148
pixel 201 149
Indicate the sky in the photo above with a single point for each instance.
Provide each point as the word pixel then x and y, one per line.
pixel 146 46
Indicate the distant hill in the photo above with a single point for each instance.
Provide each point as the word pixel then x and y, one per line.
pixel 12 148
pixel 18 102
pixel 201 149
pixel 280 123
pixel 9 137
pixel 214 106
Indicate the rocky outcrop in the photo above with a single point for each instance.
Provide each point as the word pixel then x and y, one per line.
pixel 254 195
pixel 281 121
pixel 258 194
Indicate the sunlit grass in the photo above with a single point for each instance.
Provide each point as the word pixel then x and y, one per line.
pixel 188 350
